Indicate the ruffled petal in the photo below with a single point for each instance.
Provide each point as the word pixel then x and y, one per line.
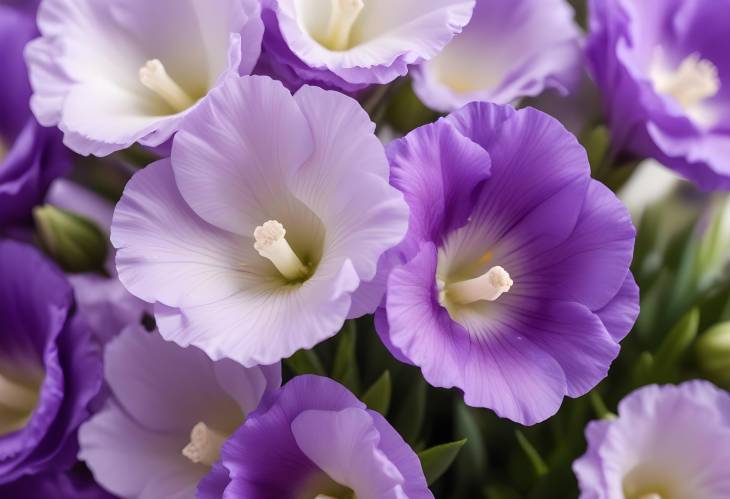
pixel 165 252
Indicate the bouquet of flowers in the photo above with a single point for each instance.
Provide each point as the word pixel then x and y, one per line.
pixel 338 249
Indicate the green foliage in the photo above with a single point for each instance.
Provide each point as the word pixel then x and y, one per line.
pixel 436 460
pixel 377 397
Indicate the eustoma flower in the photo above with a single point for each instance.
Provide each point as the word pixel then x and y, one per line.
pixel 510 49
pixel 668 441
pixel 170 411
pixel 315 439
pixel 513 283
pixel 110 74
pixel 664 71
pixel 260 235
pixel 350 44
pixel 30 156
pixel 49 368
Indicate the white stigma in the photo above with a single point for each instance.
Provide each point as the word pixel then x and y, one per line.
pixel 487 287
pixel 693 81
pixel 343 14
pixel 271 243
pixel 205 445
pixel 154 76
pixel 651 496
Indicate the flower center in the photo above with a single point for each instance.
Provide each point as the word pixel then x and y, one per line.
pixel 270 243
pixel 487 287
pixel 154 76
pixel 342 17
pixel 18 400
pixel 690 83
pixel 205 445
pixel 3 150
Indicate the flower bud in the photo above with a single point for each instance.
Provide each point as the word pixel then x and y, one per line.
pixel 713 353
pixel 74 242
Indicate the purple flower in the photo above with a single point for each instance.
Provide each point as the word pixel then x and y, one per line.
pixel 30 155
pixel 49 368
pixel 350 44
pixel 314 438
pixel 664 71
pixel 510 49
pixel 106 305
pixel 169 413
pixel 110 74
pixel 513 282
pixel 668 441
pixel 273 208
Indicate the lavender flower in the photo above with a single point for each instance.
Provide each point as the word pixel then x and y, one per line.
pixel 110 74
pixel 274 208
pixel 510 49
pixel 169 413
pixel 350 44
pixel 315 439
pixel 668 441
pixel 49 368
pixel 513 282
pixel 30 156
pixel 665 76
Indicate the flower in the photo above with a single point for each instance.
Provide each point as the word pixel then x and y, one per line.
pixel 106 305
pixel 168 415
pixel 350 44
pixel 273 208
pixel 510 49
pixel 333 447
pixel 110 74
pixel 668 441
pixel 30 156
pixel 663 69
pixel 49 368
pixel 513 282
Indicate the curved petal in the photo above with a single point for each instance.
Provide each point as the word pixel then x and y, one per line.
pixel 510 49
pixel 620 314
pixel 386 38
pixel 258 321
pixel 344 444
pixel 111 439
pixel 168 389
pixel 165 252
pixel 248 118
pixel 591 265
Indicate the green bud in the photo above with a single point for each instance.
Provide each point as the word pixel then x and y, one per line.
pixel 74 242
pixel 713 353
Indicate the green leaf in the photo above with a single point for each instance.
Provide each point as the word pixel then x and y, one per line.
pixel 436 460
pixel 599 406
pixel 410 415
pixel 305 362
pixel 345 368
pixel 471 464
pixel 676 345
pixel 536 460
pixel 596 142
pixel 377 397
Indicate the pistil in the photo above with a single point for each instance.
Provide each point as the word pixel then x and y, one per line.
pixel 487 287
pixel 693 81
pixel 271 243
pixel 343 14
pixel 205 445
pixel 153 75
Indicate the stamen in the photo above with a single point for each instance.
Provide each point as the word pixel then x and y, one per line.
pixel 205 445
pixel 343 14
pixel 489 286
pixel 653 495
pixel 693 81
pixel 272 245
pixel 154 76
